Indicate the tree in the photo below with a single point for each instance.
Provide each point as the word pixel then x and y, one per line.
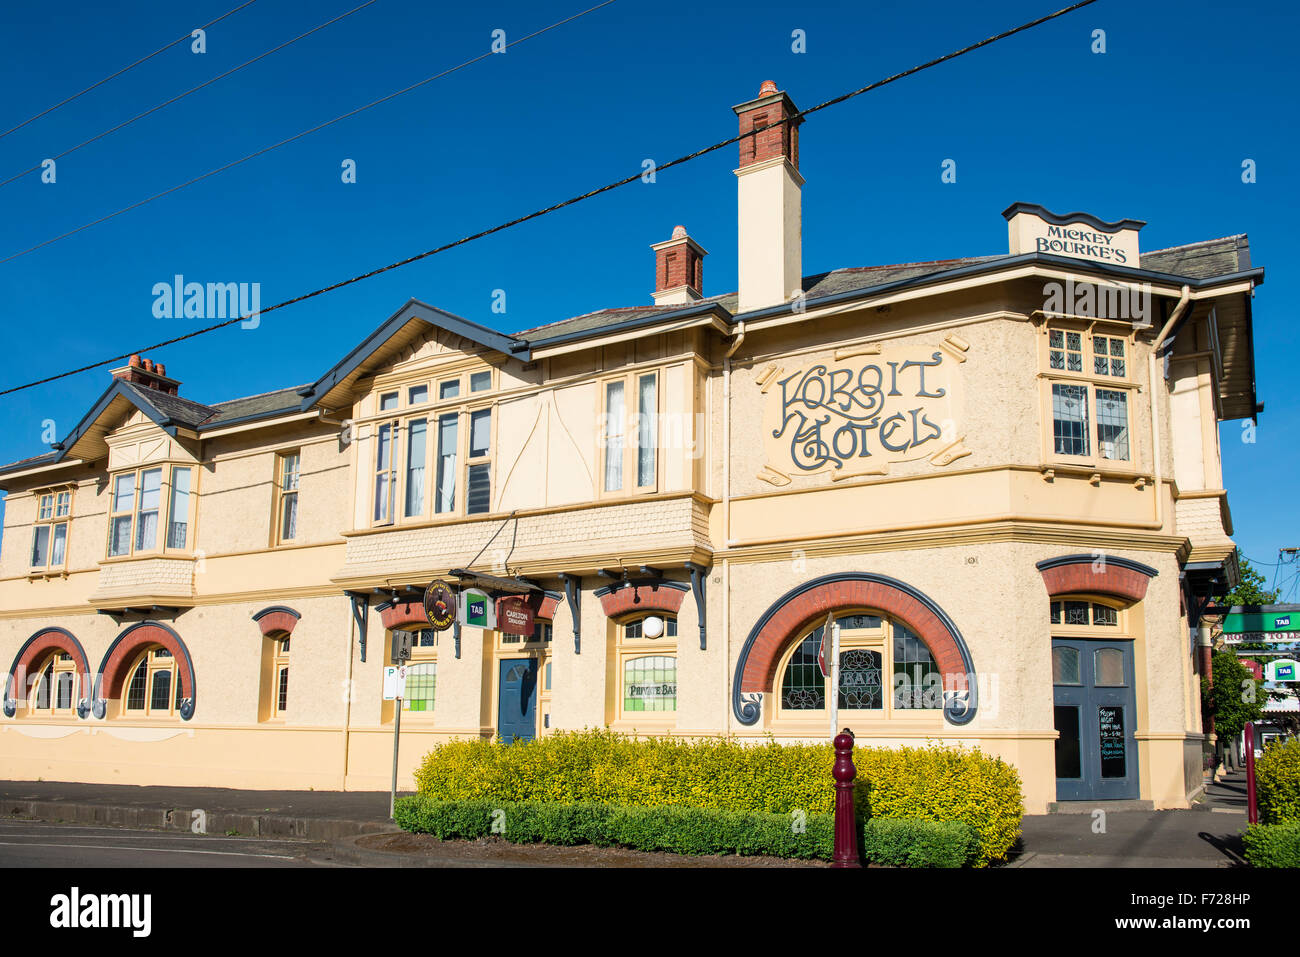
pixel 1233 697
pixel 1250 590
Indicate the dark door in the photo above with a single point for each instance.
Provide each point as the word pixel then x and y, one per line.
pixel 517 708
pixel 1096 753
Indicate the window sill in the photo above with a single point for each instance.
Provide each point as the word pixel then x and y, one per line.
pixel 34 574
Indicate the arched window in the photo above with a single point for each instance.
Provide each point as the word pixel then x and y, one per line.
pixel 884 668
pixel 646 662
pixel 153 689
pixel 54 692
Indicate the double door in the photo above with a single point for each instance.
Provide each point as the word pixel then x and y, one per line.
pixel 1095 705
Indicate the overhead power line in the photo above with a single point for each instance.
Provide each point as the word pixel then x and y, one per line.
pixel 131 66
pixel 561 205
pixel 181 96
pixel 297 136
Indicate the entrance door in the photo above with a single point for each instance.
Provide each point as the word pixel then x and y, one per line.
pixel 1096 753
pixel 517 705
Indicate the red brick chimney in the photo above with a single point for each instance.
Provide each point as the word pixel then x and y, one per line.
pixel 770 207
pixel 679 269
pixel 145 373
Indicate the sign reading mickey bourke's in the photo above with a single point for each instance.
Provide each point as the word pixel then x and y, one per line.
pixel 515 616
pixel 864 409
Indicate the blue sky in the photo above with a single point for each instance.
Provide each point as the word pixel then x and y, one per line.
pixel 1156 128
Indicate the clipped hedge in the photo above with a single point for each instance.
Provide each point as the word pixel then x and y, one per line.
pixel 1273 845
pixel 601 767
pixel 1277 783
pixel 684 830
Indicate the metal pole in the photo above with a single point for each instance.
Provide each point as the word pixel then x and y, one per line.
pixel 397 731
pixel 846 820
pixel 1252 809
pixel 835 676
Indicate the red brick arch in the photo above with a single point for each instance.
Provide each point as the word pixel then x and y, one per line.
pixel 406 615
pixel 664 597
pixel 276 621
pixel 794 614
pixel 122 653
pixel 33 654
pixel 1096 574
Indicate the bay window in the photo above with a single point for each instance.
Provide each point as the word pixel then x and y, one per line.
pixel 136 511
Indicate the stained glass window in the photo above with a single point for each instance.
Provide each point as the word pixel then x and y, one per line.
pixel 650 684
pixel 1070 419
pixel 917 682
pixel 803 688
pixel 860 679
pixel 1112 424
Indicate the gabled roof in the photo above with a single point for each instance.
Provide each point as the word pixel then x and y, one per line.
pixel 401 329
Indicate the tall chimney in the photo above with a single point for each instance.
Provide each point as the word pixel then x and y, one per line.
pixel 770 209
pixel 679 269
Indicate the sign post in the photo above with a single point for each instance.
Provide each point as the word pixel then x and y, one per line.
pixel 395 690
pixel 834 703
pixel 1252 809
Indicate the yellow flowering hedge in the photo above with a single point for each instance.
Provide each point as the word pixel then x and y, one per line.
pixel 933 783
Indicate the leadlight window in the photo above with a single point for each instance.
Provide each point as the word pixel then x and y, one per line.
pixel 1108 668
pixel 1108 356
pixel 1112 424
pixel 1070 418
pixel 634 629
pixel 865 659
pixel 421 685
pixel 650 683
pixel 1065 350
pixel 1079 612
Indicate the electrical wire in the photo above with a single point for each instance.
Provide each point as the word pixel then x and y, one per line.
pixel 297 136
pixel 124 69
pixel 549 209
pixel 181 96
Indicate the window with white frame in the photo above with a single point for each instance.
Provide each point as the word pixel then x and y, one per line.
pixel 140 502
pixel 288 473
pixel 1089 395
pixel 50 530
pixel 55 691
pixel 630 436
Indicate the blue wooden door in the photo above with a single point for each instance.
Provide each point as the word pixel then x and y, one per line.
pixel 517 705
pixel 1094 705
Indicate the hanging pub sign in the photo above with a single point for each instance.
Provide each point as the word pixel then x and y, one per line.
pixel 515 616
pixel 863 409
pixel 439 605
pixel 476 609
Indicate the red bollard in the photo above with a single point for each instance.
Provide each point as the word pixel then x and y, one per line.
pixel 846 821
pixel 1252 809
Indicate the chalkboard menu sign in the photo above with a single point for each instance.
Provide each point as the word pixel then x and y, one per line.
pixel 1110 732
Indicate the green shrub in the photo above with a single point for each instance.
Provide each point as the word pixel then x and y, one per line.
pixel 914 842
pixel 601 767
pixel 1277 783
pixel 1273 845
pixel 679 830
pixel 906 842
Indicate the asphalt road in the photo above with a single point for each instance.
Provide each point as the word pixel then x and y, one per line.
pixel 42 844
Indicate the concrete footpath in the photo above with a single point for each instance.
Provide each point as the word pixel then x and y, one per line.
pixel 1204 836
pixel 313 815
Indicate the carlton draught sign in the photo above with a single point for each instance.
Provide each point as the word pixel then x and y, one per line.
pixel 863 410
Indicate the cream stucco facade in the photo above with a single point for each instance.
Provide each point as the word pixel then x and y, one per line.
pixel 899 451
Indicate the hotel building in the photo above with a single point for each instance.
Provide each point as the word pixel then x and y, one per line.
pixel 998 476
